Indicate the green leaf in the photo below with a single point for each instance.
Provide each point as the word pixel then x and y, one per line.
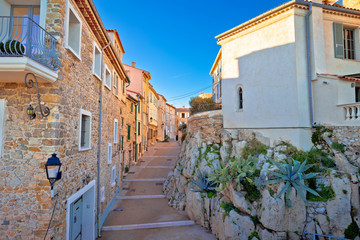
pixel 287 185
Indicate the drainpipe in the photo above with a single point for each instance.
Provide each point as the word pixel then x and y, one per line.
pixel 308 55
pixel 99 140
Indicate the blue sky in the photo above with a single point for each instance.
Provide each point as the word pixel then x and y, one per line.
pixel 174 40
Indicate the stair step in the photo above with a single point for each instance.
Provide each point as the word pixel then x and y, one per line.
pixel 148 225
pixel 165 167
pixel 140 197
pixel 145 180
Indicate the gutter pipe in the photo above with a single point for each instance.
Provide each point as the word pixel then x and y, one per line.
pixel 99 140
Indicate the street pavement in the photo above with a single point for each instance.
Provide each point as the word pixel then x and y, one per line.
pixel 141 210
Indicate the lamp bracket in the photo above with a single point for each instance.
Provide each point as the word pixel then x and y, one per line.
pixel 29 83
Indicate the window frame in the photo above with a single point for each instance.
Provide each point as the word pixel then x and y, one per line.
pixel 102 194
pixel 113 176
pixel 86 113
pixel 116 83
pixel 105 79
pixel 95 47
pixel 109 153
pixel 240 99
pixel 2 124
pixel 346 50
pixel 116 127
pixel 67 23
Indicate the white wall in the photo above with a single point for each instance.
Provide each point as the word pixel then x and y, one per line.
pixel 4 8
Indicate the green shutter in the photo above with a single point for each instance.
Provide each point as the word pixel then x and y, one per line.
pixel 129 132
pixel 132 106
pixel 122 142
pixel 338 40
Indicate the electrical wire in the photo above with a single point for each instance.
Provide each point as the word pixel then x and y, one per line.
pixel 188 94
pixel 52 215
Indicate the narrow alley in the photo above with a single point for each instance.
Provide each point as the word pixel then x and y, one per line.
pixel 141 210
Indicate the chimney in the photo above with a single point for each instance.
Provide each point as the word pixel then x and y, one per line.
pixel 351 4
pixel 133 64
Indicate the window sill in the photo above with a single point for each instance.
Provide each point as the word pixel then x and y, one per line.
pixel 84 149
pixel 107 87
pixel 346 59
pixel 77 55
pixel 97 76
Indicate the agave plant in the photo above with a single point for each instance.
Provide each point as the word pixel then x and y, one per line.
pixel 203 184
pixel 236 171
pixel 292 174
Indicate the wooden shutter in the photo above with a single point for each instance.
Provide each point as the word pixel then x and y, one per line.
pixel 338 40
pixel 129 132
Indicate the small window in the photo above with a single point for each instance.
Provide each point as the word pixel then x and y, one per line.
pixel 113 175
pixel 139 128
pixel 122 142
pixel 85 130
pixel 183 115
pixel 116 84
pixel 139 108
pixel 132 106
pixel 96 61
pixel 102 194
pixel 122 122
pixel 109 153
pixel 357 94
pixel 116 130
pixel 129 131
pixel 349 52
pixel 123 86
pixel 107 77
pixel 73 39
pixel 241 100
pixel 2 120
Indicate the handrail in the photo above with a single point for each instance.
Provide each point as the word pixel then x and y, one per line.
pixel 314 235
pixel 21 36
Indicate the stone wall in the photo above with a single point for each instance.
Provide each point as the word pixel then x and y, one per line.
pixel 25 200
pixel 207 146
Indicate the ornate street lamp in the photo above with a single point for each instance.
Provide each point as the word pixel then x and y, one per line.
pixel 31 112
pixel 53 172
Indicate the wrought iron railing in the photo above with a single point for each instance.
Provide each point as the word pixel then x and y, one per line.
pixel 21 36
pixel 316 236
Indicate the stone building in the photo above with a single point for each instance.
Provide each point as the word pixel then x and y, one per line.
pixel 82 82
pixel 153 104
pixel 183 113
pixel 130 146
pixel 170 122
pixel 140 84
pixel 161 131
pixel 309 54
pixel 139 121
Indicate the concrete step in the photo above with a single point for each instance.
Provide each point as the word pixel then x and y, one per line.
pixel 155 167
pixel 140 197
pixel 145 180
pixel 148 225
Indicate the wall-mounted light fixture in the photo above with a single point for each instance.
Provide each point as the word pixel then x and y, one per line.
pixel 29 83
pixel 53 172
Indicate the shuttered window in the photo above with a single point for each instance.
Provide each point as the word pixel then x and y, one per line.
pixel 109 153
pixel 129 129
pixel 349 50
pixel 85 130
pixel 338 40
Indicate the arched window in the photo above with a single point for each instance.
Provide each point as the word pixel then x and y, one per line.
pixel 241 100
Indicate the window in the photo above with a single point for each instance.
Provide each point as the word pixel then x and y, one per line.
pixel 96 61
pixel 102 194
pixel 139 128
pixel 73 31
pixel 349 52
pixel 109 153
pixel 139 108
pixel 132 106
pixel 122 122
pixel 343 41
pixel 85 130
pixel 2 120
pixel 129 130
pixel 113 176
pixel 116 130
pixel 107 77
pixel 357 94
pixel 123 86
pixel 241 100
pixel 183 115
pixel 122 142
pixel 218 91
pixel 116 84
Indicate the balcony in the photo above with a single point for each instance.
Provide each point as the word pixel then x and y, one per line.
pixel 26 47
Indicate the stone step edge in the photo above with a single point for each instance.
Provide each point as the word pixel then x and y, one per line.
pixel 165 167
pixel 159 157
pixel 140 197
pixel 148 225
pixel 144 180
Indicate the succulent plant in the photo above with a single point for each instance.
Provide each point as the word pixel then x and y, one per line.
pixel 238 170
pixel 203 184
pixel 292 173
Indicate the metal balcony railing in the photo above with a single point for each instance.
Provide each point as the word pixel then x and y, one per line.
pixel 21 36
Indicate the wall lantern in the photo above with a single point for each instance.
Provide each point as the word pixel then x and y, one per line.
pixel 29 83
pixel 53 172
pixel 151 119
pixel 31 112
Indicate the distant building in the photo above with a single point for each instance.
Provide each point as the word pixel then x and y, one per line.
pixel 183 114
pixel 161 118
pixel 153 103
pixel 216 78
pixel 170 121
pixel 205 95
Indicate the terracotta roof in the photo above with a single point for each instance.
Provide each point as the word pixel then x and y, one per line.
pixel 345 77
pixel 182 109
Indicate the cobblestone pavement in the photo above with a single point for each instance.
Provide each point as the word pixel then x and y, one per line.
pixel 141 210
